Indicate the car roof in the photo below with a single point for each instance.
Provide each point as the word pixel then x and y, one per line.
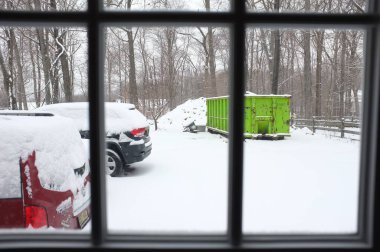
pixel 57 145
pixel 120 117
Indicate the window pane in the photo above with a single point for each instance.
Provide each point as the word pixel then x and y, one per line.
pixel 165 172
pixel 301 170
pixel 318 6
pixel 42 5
pixel 168 5
pixel 44 168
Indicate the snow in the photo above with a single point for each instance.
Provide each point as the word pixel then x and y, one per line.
pixel 307 183
pixel 119 116
pixel 250 94
pixel 50 137
pixel 304 184
pixel 173 189
pixel 184 114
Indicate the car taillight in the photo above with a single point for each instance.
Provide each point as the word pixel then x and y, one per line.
pixel 35 217
pixel 138 132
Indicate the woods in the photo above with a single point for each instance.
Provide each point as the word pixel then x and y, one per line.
pixel 159 67
pixel 40 64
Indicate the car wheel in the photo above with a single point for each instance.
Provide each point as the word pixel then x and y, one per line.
pixel 114 165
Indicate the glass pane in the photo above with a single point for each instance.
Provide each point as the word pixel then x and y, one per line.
pixel 168 5
pixel 315 6
pixel 165 172
pixel 302 120
pixel 44 168
pixel 44 5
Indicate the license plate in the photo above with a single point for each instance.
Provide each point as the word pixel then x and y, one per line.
pixel 83 218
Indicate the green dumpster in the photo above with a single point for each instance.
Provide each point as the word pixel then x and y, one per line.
pixel 264 115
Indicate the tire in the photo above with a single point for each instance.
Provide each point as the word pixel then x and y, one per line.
pixel 114 165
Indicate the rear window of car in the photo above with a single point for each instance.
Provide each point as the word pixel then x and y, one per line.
pixel 10 182
pixel 57 145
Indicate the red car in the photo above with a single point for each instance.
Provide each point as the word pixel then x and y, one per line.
pixel 44 174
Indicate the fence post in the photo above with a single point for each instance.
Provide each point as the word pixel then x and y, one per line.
pixel 291 120
pixel 313 124
pixel 342 127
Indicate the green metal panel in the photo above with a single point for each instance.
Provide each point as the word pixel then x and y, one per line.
pixel 263 114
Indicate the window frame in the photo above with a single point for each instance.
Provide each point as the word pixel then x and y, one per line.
pixel 96 19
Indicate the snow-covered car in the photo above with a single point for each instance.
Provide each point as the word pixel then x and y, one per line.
pixel 44 172
pixel 127 132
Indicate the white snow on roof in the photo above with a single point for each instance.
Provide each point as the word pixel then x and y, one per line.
pixel 119 116
pixel 191 110
pixel 58 148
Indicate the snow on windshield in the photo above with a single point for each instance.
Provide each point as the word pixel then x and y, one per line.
pixel 119 116
pixel 58 148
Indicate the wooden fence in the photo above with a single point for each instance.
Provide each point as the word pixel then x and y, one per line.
pixel 346 125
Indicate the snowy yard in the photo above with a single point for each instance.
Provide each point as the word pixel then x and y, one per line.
pixel 305 183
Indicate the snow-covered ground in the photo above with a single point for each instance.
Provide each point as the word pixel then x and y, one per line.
pixel 180 187
pixel 304 184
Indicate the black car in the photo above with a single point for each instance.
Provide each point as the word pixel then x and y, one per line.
pixel 127 132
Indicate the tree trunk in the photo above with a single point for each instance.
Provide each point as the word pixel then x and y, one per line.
pixel 21 96
pixel 211 54
pixel 211 51
pixel 276 53
pixel 62 54
pixel 170 40
pixel 318 72
pixel 109 75
pixel 67 83
pixel 44 55
pixel 342 79
pixel 352 74
pixel 34 75
pixel 251 68
pixel 307 69
pixel 12 97
pixel 307 76
pixel 132 70
pixel 132 65
pixel 8 81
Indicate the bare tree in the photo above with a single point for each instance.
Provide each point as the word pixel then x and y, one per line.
pixel 276 53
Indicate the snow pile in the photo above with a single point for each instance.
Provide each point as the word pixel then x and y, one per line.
pixel 304 130
pixel 184 114
pixel 119 116
pixel 58 147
